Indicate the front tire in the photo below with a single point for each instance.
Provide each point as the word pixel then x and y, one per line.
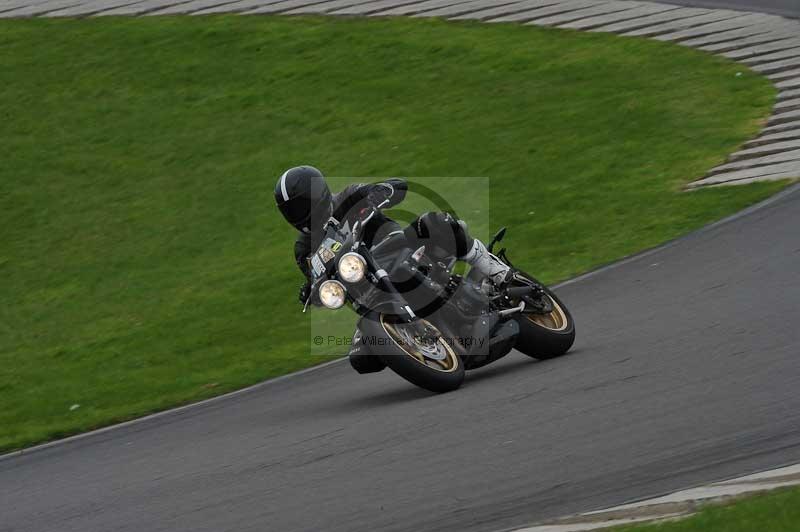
pixel 548 335
pixel 434 366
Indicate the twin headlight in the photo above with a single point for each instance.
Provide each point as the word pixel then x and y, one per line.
pixel 352 268
pixel 332 294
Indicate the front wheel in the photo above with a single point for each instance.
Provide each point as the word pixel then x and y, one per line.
pixel 547 334
pixel 416 351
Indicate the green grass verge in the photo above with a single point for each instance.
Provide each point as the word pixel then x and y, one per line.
pixel 142 262
pixel 777 511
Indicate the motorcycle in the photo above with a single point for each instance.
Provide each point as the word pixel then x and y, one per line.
pixel 425 322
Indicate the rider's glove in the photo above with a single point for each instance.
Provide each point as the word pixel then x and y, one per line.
pixel 379 193
pixel 305 291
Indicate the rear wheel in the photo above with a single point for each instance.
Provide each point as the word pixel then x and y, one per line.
pixel 546 334
pixel 417 352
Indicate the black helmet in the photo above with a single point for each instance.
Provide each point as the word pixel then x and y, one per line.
pixel 300 193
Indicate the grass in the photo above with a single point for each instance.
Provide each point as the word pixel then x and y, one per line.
pixel 777 511
pixel 143 263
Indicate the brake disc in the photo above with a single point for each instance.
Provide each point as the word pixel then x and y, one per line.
pixel 427 346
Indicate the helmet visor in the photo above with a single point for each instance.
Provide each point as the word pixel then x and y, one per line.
pixel 296 211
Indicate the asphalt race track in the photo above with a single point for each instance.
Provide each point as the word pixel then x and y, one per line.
pixel 686 369
pixel 787 8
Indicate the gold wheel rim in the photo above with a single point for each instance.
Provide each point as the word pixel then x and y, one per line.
pixel 556 320
pixel 446 365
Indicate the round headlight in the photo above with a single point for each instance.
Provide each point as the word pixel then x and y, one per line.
pixel 332 294
pixel 352 267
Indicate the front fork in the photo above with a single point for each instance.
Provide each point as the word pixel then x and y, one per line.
pixel 400 307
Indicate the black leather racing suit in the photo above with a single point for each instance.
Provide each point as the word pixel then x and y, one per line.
pixel 432 229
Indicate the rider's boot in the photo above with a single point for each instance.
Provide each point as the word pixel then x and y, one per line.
pixel 487 264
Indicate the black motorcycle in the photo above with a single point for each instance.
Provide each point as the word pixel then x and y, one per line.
pixel 426 323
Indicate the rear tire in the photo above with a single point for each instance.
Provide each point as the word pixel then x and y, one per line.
pixel 546 336
pixel 406 359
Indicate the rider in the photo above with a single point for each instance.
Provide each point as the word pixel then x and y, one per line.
pixel 306 202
